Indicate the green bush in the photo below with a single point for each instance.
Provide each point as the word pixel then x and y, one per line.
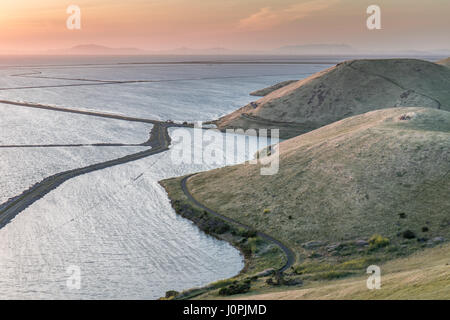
pixel 235 288
pixel 171 294
pixel 312 267
pixel 247 233
pixel 253 243
pixel 245 248
pixel 222 283
pixel 357 264
pixel 378 241
pixel 330 275
pixel 408 234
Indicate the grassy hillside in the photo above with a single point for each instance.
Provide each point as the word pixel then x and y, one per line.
pixel 445 62
pixel 350 88
pixel 423 275
pixel 266 91
pixel 385 172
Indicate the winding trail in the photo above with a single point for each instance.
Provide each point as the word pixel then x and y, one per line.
pixel 290 256
pixel 438 103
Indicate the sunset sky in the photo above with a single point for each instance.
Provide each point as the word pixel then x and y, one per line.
pixel 30 26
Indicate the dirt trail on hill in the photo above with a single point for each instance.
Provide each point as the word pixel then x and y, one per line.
pixel 290 256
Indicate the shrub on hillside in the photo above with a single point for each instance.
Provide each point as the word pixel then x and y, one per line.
pixel 378 241
pixel 330 275
pixel 222 283
pixel 202 218
pixel 171 294
pixel 236 288
pixel 247 233
pixel 253 243
pixel 408 234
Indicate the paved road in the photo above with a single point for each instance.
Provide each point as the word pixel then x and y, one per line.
pixel 290 256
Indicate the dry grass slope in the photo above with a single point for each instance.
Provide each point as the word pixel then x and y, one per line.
pixel 445 62
pixel 368 174
pixel 424 275
pixel 266 91
pixel 350 88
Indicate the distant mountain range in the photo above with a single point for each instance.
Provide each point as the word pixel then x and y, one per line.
pixel 190 51
pixel 94 49
pixel 322 49
pixel 307 49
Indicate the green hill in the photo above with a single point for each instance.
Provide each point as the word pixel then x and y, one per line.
pixel 385 172
pixel 424 275
pixel 445 62
pixel 350 88
pixel 266 91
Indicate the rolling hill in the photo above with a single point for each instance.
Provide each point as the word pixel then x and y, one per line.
pixel 445 62
pixel 384 172
pixel 266 91
pixel 350 88
pixel 424 275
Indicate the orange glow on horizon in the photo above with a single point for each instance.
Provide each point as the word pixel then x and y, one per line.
pixel 37 26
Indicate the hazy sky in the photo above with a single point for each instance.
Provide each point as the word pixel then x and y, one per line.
pixel 236 24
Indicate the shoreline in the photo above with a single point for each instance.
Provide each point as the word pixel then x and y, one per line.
pixel 236 234
pixel 290 256
pixel 241 237
pixel 233 232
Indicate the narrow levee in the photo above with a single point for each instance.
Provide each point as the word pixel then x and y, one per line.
pixel 159 142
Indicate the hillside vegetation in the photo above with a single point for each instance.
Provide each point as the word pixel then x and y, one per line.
pixel 445 62
pixel 423 275
pixel 385 172
pixel 266 91
pixel 350 88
